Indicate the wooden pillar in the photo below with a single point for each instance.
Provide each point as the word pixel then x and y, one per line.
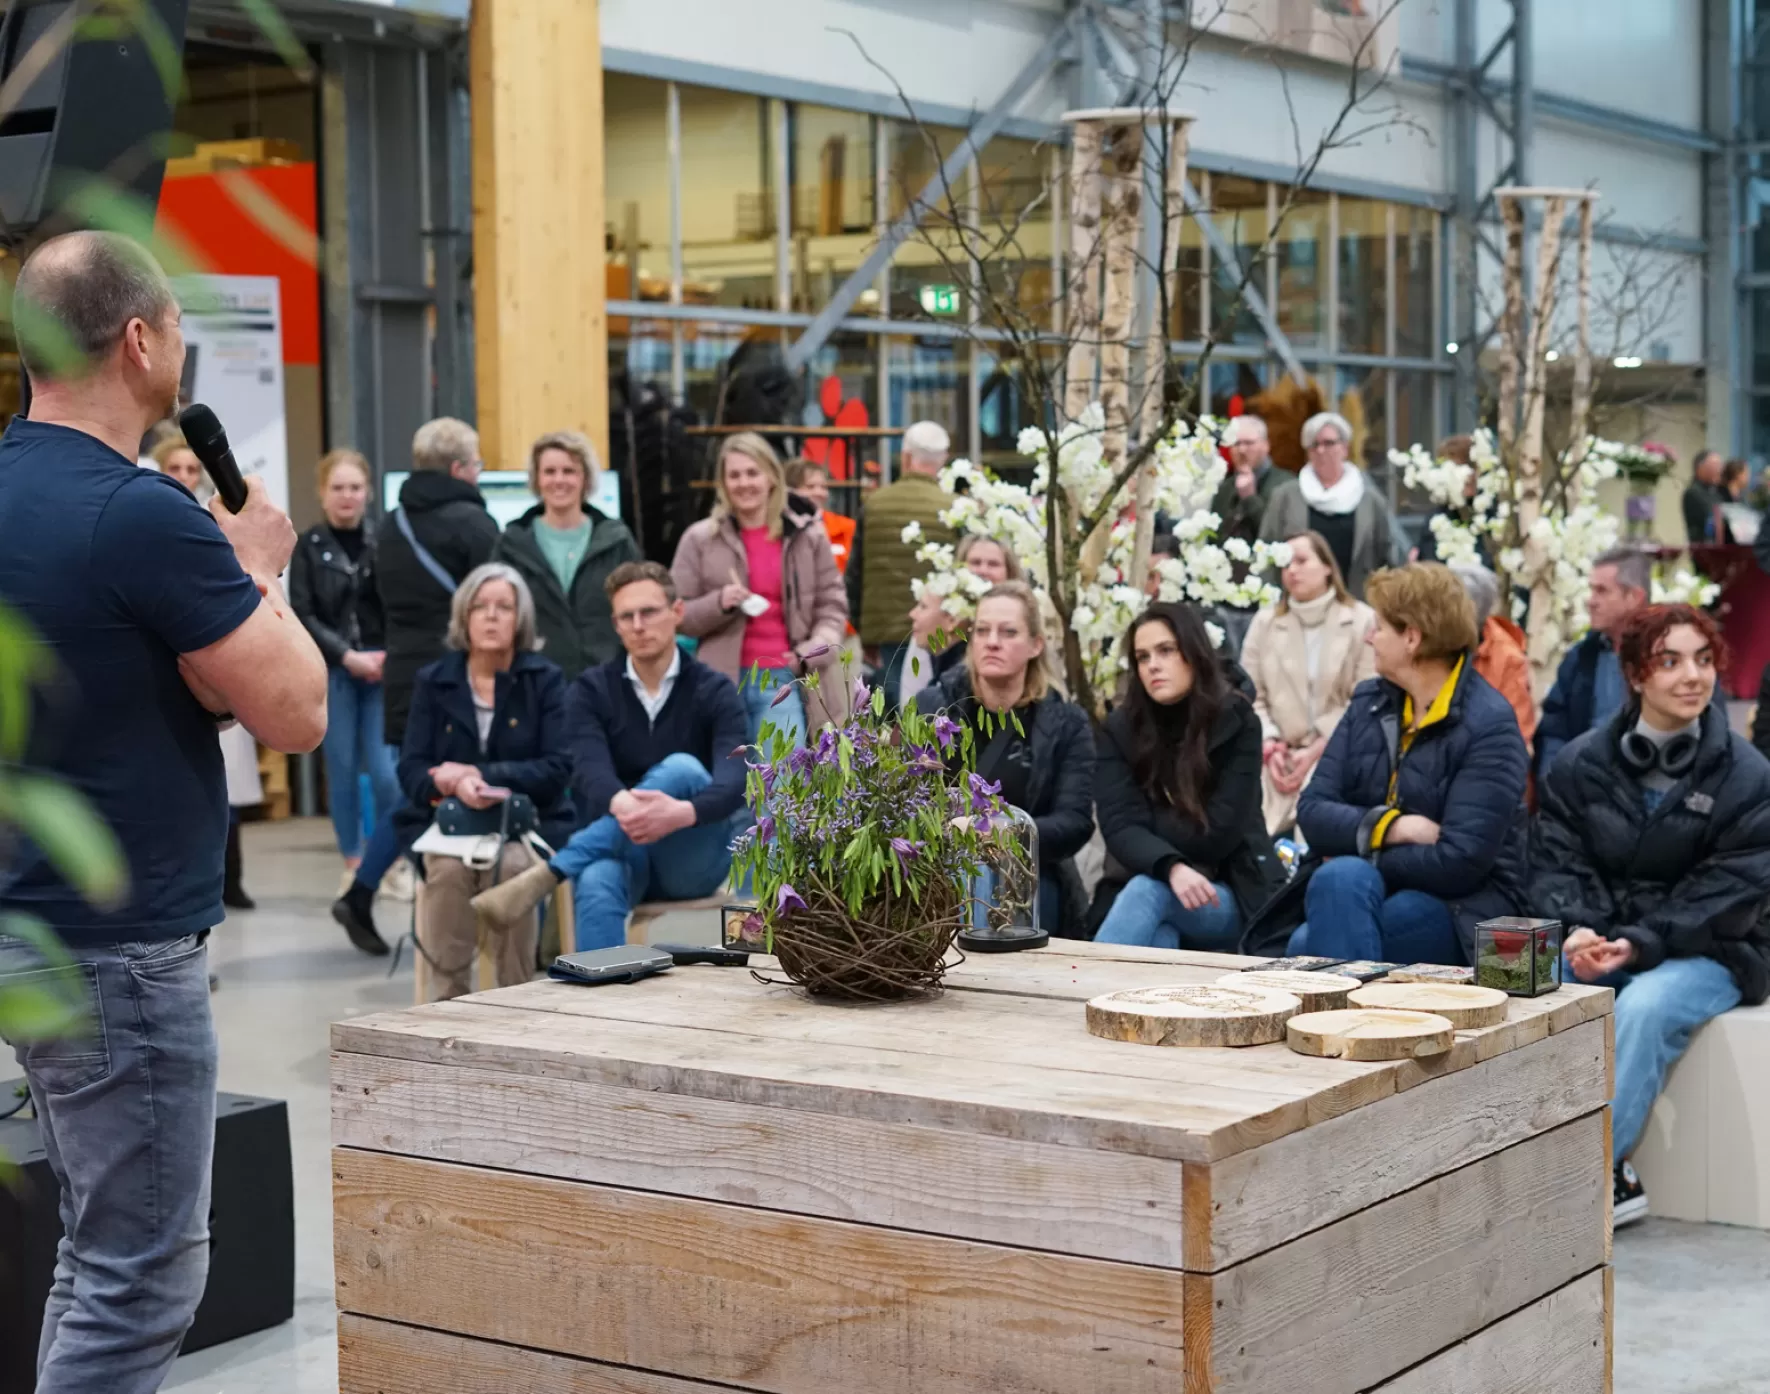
pixel 539 284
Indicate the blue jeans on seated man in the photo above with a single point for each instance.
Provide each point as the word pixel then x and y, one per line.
pixel 612 873
pixel 126 1111
pixel 1657 1012
pixel 354 746
pixel 757 687
pixel 1350 914
pixel 1148 912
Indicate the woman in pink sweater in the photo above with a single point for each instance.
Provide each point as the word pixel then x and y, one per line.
pixel 761 592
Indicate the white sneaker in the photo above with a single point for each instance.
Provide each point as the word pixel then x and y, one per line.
pixel 400 883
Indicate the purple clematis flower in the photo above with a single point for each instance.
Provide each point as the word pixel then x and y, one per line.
pixel 817 652
pixel 945 729
pixel 924 758
pixel 787 899
pixel 786 691
pixel 765 828
pixel 982 791
pixel 861 693
pixel 905 851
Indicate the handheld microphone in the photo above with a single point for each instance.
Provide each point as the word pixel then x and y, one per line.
pixel 208 442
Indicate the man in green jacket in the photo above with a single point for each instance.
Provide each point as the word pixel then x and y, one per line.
pixel 883 565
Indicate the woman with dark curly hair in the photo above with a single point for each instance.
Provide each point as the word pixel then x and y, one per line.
pixel 1652 846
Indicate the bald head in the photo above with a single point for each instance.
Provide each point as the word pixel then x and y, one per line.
pixel 75 297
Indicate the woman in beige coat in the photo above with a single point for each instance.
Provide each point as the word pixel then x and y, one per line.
pixel 1305 654
pixel 761 592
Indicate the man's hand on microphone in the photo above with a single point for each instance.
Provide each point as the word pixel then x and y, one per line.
pixel 263 537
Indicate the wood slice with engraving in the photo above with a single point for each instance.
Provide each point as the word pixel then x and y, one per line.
pixel 1463 1006
pixel 1193 1014
pixel 1319 992
pixel 1362 1033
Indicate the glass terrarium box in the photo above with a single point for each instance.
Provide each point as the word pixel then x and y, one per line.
pixel 1519 956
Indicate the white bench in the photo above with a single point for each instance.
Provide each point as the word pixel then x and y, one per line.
pixel 1706 1152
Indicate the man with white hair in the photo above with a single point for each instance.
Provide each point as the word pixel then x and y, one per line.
pixel 1332 497
pixel 1248 488
pixel 883 564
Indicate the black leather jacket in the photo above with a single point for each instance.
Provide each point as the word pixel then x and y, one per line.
pixel 336 598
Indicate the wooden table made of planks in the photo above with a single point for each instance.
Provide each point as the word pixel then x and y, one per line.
pixel 698 1183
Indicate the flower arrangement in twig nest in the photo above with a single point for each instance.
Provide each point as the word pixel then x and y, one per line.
pixel 866 845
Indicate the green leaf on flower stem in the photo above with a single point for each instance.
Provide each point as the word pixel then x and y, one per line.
pixel 77 842
pixel 845 755
pixel 879 701
pixel 23 662
pixel 54 1002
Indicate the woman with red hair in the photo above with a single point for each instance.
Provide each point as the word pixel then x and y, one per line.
pixel 1653 849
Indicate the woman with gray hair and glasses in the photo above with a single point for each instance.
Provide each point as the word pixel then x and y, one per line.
pixel 1333 497
pixel 487 722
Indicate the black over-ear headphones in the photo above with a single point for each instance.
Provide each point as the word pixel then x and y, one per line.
pixel 1673 759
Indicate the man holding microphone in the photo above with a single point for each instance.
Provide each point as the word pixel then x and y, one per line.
pixel 159 615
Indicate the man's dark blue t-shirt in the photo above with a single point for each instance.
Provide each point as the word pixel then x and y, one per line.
pixel 119 571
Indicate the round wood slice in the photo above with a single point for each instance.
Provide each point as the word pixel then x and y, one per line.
pixel 1464 1007
pixel 1319 992
pixel 1193 1014
pixel 1365 1034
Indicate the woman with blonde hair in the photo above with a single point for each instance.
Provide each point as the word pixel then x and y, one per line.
pixel 332 589
pixel 173 456
pixel 487 723
pixel 565 550
pixel 1028 739
pixel 1304 653
pixel 761 592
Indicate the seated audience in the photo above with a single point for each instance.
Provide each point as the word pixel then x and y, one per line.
pixel 1500 657
pixel 1735 475
pixel 760 590
pixel 174 458
pixel 565 549
pixel 987 558
pixel 1046 766
pixel 1177 791
pixel 1241 499
pixel 656 739
pixel 487 718
pixel 1305 654
pixel 1164 546
pixel 1652 848
pixel 933 650
pixel 1589 687
pixel 1418 800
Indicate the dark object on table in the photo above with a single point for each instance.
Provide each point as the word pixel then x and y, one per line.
pixel 1519 956
pixel 1297 963
pixel 686 955
pixel 1366 970
pixel 251 1234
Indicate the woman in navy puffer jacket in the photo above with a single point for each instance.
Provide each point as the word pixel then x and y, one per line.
pixel 1418 800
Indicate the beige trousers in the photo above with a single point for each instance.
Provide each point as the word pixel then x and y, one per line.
pixel 448 931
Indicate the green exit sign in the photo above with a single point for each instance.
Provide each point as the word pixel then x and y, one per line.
pixel 940 300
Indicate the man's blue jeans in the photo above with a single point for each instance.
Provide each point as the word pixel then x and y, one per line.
pixel 758 687
pixel 1349 914
pixel 126 1109
pixel 354 746
pixel 612 873
pixel 1148 912
pixel 1656 1014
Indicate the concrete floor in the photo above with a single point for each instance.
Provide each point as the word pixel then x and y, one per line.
pixel 1691 1299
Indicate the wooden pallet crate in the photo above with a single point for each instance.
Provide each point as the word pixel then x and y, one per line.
pixel 699 1183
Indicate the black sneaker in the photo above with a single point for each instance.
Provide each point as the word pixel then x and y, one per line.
pixel 1628 1197
pixel 353 911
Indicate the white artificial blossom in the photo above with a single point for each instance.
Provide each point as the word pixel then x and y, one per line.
pixel 1573 531
pixel 1187 470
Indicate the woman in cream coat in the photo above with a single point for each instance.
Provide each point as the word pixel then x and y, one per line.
pixel 1305 654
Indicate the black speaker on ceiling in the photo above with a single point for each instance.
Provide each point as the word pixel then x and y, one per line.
pixel 251 1283
pixel 98 108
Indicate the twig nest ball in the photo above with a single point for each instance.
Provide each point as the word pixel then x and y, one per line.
pixel 1194 1014
pixel 1464 1007
pixel 1361 1033
pixel 1319 992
